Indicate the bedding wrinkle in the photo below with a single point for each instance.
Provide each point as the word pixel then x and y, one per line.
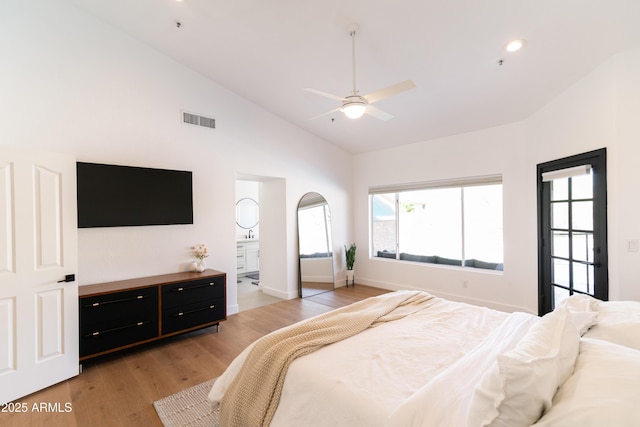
pixel 435 405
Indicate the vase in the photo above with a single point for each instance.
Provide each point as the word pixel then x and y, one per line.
pixel 200 265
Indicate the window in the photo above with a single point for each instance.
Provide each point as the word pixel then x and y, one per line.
pixel 452 223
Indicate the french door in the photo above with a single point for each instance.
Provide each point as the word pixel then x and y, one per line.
pixel 572 229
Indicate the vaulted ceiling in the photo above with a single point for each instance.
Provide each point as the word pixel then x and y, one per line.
pixel 268 51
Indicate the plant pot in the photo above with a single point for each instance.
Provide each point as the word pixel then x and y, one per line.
pixel 351 277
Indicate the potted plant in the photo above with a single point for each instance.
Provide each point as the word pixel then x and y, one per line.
pixel 350 254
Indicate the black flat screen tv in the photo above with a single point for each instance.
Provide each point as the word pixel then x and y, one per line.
pixel 118 196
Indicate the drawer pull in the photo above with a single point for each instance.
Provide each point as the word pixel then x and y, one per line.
pixel 113 301
pixel 182 313
pixel 106 331
pixel 191 288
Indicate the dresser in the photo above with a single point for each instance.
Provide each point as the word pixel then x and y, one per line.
pixel 126 313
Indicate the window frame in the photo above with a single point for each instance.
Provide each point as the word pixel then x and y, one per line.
pixel 460 183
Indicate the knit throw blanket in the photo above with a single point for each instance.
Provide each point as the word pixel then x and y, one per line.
pixel 253 396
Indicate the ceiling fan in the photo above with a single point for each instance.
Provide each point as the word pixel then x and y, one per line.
pixel 354 105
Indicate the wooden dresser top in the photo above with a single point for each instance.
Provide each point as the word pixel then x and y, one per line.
pixel 141 282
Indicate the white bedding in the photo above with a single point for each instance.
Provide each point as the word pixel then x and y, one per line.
pixel 460 365
pixel 447 398
pixel 362 380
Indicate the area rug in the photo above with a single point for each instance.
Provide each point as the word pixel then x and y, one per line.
pixel 188 407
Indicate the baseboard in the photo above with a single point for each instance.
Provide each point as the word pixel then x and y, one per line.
pixel 275 292
pixel 233 309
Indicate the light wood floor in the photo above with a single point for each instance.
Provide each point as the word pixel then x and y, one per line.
pixel 120 390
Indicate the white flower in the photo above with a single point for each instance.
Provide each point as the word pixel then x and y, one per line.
pixel 200 251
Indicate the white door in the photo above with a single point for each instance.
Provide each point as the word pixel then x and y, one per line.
pixel 38 252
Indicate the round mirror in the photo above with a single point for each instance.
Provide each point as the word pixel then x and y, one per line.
pixel 314 245
pixel 247 213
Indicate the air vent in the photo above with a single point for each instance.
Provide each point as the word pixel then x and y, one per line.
pixel 194 119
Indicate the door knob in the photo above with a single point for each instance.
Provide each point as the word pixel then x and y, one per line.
pixel 68 278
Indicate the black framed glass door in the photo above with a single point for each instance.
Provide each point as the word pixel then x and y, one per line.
pixel 572 229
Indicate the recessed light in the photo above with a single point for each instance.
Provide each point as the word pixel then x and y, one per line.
pixel 515 45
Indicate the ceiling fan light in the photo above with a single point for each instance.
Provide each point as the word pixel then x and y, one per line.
pixel 354 110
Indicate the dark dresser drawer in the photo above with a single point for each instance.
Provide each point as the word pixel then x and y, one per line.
pixel 192 315
pixel 118 336
pixel 182 294
pixel 117 319
pixel 117 309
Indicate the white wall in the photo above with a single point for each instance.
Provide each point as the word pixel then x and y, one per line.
pixel 72 84
pixel 624 221
pixel 600 110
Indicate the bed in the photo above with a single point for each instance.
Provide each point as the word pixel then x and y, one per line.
pixel 427 361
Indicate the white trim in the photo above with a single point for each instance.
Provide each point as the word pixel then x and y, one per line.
pixel 445 183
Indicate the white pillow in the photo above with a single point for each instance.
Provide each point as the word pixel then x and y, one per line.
pixel 618 322
pixel 583 311
pixel 604 389
pixel 522 382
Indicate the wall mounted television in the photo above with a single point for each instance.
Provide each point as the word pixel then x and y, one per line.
pixel 118 196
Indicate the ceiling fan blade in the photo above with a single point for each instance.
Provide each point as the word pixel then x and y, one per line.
pixel 389 91
pixel 378 113
pixel 326 113
pixel 325 94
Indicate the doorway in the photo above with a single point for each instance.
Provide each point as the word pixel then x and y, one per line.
pixel 254 213
pixel 572 229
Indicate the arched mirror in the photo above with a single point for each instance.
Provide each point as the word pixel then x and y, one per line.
pixel 314 245
pixel 247 213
